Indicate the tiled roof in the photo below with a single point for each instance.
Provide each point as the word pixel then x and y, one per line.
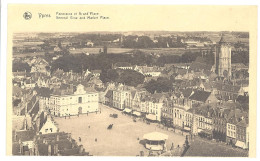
pixel 109 94
pixel 187 92
pixel 25 135
pixel 200 64
pixel 122 64
pixel 44 92
pixel 201 96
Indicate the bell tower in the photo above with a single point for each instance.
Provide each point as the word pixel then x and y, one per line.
pixel 223 58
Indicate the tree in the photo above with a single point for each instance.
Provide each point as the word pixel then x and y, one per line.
pixel 131 78
pixel 159 85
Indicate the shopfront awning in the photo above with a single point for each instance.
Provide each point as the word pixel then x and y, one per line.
pixel 187 128
pixel 155 136
pixel 136 113
pixel 127 110
pixel 240 144
pixel 151 117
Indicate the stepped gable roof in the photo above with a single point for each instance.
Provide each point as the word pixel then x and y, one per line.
pixel 201 96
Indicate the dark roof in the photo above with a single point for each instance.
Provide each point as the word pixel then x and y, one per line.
pixel 187 92
pixel 44 92
pixel 242 99
pixel 25 135
pixel 123 64
pixel 201 96
pixel 109 94
pixel 43 120
pixel 35 109
pixel 200 63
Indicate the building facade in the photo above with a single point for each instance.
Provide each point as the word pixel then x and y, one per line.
pixel 74 103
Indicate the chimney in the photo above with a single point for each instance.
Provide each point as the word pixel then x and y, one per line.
pixel 49 150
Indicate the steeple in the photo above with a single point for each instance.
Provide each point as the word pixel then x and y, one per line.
pixel 223 39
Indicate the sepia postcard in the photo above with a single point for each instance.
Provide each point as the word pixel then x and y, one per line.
pixel 131 80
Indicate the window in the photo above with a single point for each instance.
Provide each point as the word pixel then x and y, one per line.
pixel 46 130
pixel 80 100
pixel 51 129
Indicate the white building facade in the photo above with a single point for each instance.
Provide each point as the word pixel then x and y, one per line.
pixel 79 102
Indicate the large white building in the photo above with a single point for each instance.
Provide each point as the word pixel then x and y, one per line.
pixel 74 102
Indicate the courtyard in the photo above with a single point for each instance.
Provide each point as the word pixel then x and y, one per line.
pixel 122 140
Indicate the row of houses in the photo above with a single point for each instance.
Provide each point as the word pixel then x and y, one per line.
pixel 198 112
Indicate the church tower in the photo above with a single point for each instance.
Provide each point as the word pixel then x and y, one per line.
pixel 223 58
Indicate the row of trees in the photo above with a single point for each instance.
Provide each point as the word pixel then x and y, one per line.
pixel 147 42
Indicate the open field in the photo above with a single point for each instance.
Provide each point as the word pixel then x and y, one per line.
pixel 167 51
pixel 206 148
pixel 96 50
pixel 121 140
pixel 20 55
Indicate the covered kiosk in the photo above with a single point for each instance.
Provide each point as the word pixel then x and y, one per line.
pixel 155 140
